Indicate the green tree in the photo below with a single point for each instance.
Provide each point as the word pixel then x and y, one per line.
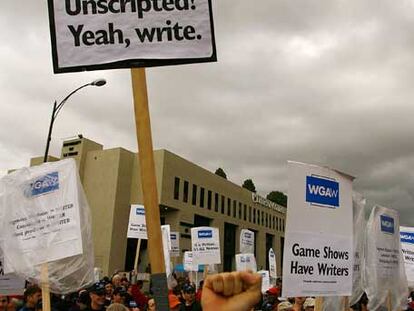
pixel 249 185
pixel 221 173
pixel 277 197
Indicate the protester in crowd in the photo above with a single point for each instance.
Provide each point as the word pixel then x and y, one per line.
pixel 285 306
pixel 97 297
pixel 410 306
pixel 136 292
pixel 199 291
pixel 82 301
pixel 124 282
pixel 4 302
pixel 32 298
pixel 190 303
pixel 151 305
pixel 109 291
pixel 309 304
pixel 298 305
pixel 119 295
pixel 235 291
pixel 117 307
pixel 173 301
pixel 116 281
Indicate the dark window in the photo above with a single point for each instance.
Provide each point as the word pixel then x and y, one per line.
pixel 201 197
pixel 209 199
pixel 185 197
pixel 250 214
pixel 73 143
pixel 228 206
pixel 274 222
pixel 254 215
pixel 234 208
pixel 222 204
pixel 194 199
pixel 176 188
pixel 267 220
pixel 240 210
pixel 262 221
pixel 245 212
pixel 216 202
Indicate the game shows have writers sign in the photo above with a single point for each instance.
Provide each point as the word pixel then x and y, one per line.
pixel 103 34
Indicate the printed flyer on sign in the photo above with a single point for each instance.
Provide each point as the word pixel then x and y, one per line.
pixel 175 244
pixel 246 241
pixel 318 252
pixel 407 246
pixel 109 34
pixel 205 245
pixel 41 218
pixel 137 227
pixel 246 262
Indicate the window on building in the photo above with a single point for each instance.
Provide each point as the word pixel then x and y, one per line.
pixel 240 210
pixel 201 197
pixel 234 208
pixel 250 214
pixel 216 202
pixel 262 220
pixel 222 204
pixel 209 199
pixel 228 206
pixel 185 196
pixel 283 225
pixel 267 220
pixel 176 188
pixel 194 199
pixel 274 223
pixel 245 212
pixel 258 217
pixel 254 215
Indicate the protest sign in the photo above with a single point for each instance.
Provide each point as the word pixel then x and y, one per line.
pixel 166 242
pixel 107 34
pixel 265 280
pixel 407 246
pixel 318 252
pixel 175 244
pixel 10 284
pixel 189 264
pixel 137 228
pixel 272 264
pixel 246 262
pixel 246 241
pixel 384 266
pixel 205 243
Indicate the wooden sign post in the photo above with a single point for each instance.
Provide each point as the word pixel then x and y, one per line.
pixel 149 187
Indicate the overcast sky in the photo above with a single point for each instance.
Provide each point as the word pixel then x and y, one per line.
pixel 323 82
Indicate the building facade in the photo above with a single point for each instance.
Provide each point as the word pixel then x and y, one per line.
pixel 189 196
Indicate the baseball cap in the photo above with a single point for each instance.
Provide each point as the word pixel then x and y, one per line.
pixel 188 288
pixel 97 288
pixel 273 291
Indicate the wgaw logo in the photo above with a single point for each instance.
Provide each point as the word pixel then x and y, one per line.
pixel 387 224
pixel 205 234
pixel 45 184
pixel 322 191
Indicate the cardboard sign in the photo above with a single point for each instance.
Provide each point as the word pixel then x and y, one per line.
pixel 265 280
pixel 318 253
pixel 246 262
pixel 175 244
pixel 189 264
pixel 272 264
pixel 384 266
pixel 10 284
pixel 166 243
pixel 205 243
pixel 108 34
pixel 137 227
pixel 40 218
pixel 407 246
pixel 246 241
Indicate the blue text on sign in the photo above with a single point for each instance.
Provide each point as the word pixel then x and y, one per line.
pixel 45 184
pixel 387 224
pixel 322 191
pixel 204 234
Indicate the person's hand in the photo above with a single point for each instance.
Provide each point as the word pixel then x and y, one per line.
pixel 235 291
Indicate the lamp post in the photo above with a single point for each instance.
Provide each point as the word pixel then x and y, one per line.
pixel 57 107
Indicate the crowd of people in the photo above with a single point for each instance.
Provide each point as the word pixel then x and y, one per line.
pixel 236 291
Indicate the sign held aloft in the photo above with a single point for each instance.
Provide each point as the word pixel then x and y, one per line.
pixel 137 227
pixel 205 243
pixel 105 34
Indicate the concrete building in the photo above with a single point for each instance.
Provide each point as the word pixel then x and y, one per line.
pixel 189 196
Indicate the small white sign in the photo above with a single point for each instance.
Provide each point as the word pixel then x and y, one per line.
pixel 137 227
pixel 265 280
pixel 189 264
pixel 175 244
pixel 272 264
pixel 318 252
pixel 166 242
pixel 246 241
pixel 246 262
pixel 407 246
pixel 117 34
pixel 205 245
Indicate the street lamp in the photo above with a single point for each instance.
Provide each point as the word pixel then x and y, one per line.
pixel 57 107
